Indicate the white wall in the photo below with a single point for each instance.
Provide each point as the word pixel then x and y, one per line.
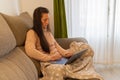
pixel 9 7
pixel 15 7
pixel 30 5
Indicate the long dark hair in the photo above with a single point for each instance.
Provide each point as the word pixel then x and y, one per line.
pixel 37 27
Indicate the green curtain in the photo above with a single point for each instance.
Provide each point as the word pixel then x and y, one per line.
pixel 60 26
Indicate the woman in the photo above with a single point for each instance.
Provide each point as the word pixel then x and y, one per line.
pixel 41 45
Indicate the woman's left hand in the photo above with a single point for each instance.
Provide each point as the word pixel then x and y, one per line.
pixel 68 53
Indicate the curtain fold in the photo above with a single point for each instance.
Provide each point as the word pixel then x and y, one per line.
pixel 60 26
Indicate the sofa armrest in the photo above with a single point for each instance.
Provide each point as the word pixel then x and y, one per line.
pixel 65 42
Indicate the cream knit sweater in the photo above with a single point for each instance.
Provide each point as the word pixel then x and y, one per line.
pixel 34 50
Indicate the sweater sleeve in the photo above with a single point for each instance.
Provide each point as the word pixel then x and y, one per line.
pixel 30 48
pixel 63 52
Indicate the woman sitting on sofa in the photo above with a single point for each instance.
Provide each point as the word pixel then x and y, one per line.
pixel 41 45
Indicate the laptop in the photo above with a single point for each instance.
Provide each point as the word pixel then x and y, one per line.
pixel 71 59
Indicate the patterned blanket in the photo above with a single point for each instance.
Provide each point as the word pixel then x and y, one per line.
pixel 81 69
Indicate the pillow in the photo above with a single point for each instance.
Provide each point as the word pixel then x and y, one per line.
pixel 19 26
pixel 7 39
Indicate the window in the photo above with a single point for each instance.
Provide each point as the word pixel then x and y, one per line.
pixel 98 22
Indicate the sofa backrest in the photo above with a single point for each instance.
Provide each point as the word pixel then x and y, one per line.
pixel 14 64
pixel 19 26
pixel 7 39
pixel 13 31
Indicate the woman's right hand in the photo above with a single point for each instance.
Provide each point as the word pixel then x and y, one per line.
pixel 56 56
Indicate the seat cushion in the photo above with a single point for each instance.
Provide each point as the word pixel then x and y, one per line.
pixel 36 63
pixel 19 25
pixel 17 66
pixel 7 39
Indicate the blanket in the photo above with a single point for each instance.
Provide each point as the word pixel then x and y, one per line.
pixel 80 69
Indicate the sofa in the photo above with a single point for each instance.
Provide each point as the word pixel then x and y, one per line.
pixel 14 63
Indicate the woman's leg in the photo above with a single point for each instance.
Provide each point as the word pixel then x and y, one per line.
pixel 82 68
pixel 53 72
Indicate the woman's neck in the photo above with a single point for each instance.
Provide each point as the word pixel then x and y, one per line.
pixel 44 29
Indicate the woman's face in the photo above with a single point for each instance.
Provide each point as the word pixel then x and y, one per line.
pixel 45 20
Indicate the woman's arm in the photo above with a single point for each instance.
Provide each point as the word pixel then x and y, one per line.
pixel 63 52
pixel 31 50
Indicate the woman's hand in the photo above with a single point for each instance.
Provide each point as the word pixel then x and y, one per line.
pixel 56 56
pixel 68 53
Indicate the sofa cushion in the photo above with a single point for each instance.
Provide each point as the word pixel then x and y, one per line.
pixel 7 39
pixel 19 25
pixel 36 63
pixel 65 42
pixel 17 66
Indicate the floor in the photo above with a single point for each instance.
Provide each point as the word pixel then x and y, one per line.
pixel 109 72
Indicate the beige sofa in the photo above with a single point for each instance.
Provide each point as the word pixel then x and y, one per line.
pixel 14 63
